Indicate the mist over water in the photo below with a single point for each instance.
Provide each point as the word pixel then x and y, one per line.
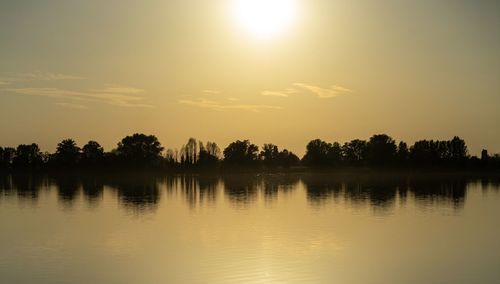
pixel 283 228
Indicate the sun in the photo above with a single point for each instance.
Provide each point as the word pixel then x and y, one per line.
pixel 264 19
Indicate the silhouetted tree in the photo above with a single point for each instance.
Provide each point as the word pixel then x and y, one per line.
pixel 484 155
pixel 334 154
pixel 486 160
pixel 171 157
pixel 67 153
pixel 381 150
pixel 208 157
pixel 402 153
pixel 213 149
pixel 241 153
pixel 139 149
pixel 458 150
pixel 439 153
pixel 421 153
pixel 3 165
pixel 287 159
pixel 27 156
pixel 354 152
pixel 189 152
pixel 92 153
pixel 7 155
pixel 495 160
pixel 269 155
pixel 317 153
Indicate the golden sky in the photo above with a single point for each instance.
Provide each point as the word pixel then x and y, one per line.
pixel 284 73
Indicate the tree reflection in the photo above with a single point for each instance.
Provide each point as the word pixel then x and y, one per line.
pixel 93 189
pixel 208 188
pixel 381 192
pixel 67 186
pixel 26 186
pixel 274 184
pixel 195 190
pixel 141 193
pixel 449 191
pixel 241 189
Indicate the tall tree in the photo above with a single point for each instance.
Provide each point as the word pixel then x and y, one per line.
pixel 402 153
pixel 171 157
pixel 334 154
pixel 241 153
pixel 208 156
pixel 67 153
pixel 287 159
pixel 458 149
pixel 140 149
pixel 92 153
pixel 269 155
pixel 7 155
pixel 213 149
pixel 317 153
pixel 381 150
pixel 27 156
pixel 354 152
pixel 190 152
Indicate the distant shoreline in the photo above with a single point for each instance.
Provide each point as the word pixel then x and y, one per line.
pixel 302 171
pixel 145 152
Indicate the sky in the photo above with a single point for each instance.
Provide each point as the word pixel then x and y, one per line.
pixel 335 70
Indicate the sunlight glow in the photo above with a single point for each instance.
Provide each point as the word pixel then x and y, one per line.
pixel 264 19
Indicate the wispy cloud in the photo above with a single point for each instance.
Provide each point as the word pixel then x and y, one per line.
pixel 221 106
pixel 211 92
pixel 116 96
pixel 122 100
pixel 284 93
pixel 48 76
pixel 11 78
pixel 330 92
pixel 49 92
pixel 71 105
pixel 114 89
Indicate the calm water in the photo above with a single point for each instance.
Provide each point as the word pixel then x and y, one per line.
pixel 249 229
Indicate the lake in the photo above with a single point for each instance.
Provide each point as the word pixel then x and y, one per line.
pixel 282 228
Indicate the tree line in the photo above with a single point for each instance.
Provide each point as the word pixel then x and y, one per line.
pixel 141 150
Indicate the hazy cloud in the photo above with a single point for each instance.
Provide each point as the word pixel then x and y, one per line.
pixel 118 99
pixel 36 76
pixel 71 105
pixel 113 89
pixel 211 92
pixel 331 92
pixel 284 93
pixel 49 76
pixel 117 96
pixel 49 92
pixel 220 106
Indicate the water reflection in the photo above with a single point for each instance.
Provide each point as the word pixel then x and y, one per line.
pixel 139 194
pixel 381 192
pixel 142 193
pixel 195 190
pixel 67 189
pixel 92 189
